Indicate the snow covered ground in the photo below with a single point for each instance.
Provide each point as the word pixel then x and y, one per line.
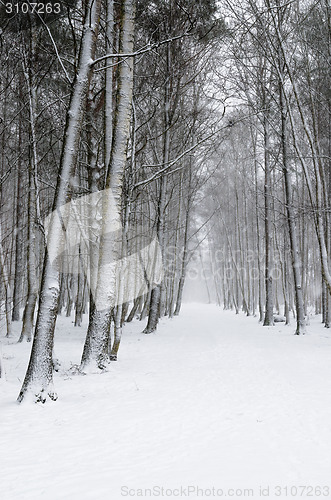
pixel 211 401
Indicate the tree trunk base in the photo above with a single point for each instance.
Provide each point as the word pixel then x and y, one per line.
pixel 147 331
pixel 37 396
pixel 95 365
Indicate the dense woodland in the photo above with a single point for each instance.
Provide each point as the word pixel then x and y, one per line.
pixel 140 140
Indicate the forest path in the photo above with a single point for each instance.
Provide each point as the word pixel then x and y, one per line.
pixel 211 400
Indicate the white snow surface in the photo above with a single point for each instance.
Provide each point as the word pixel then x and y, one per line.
pixel 211 400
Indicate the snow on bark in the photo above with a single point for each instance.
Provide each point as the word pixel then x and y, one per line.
pixel 295 255
pixel 95 354
pixel 268 317
pixel 109 82
pixel 8 292
pixel 38 381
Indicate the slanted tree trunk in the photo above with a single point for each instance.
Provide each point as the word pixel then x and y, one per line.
pixel 134 309
pixel 39 376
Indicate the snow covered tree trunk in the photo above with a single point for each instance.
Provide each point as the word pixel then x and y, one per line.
pixel 283 266
pixel 295 256
pixel 174 266
pixel 95 183
pixel 18 277
pixel 134 309
pixel 8 293
pixel 95 353
pixel 108 113
pixel 317 195
pixel 28 315
pixel 117 333
pixel 258 237
pixel 2 370
pixel 38 380
pixel 30 306
pixel 184 262
pixel 154 307
pixel 327 309
pixel 120 310
pixel 269 303
pixel 79 302
pixel 124 281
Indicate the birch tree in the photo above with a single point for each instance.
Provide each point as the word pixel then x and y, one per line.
pixel 295 255
pixel 38 381
pixel 95 354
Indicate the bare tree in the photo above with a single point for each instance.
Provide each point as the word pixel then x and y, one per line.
pixel 39 376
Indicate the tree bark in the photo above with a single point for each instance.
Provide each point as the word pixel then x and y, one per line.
pixel 39 376
pixel 269 302
pixel 295 256
pixel 95 353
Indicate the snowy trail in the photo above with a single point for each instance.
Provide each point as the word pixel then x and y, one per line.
pixel 212 400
